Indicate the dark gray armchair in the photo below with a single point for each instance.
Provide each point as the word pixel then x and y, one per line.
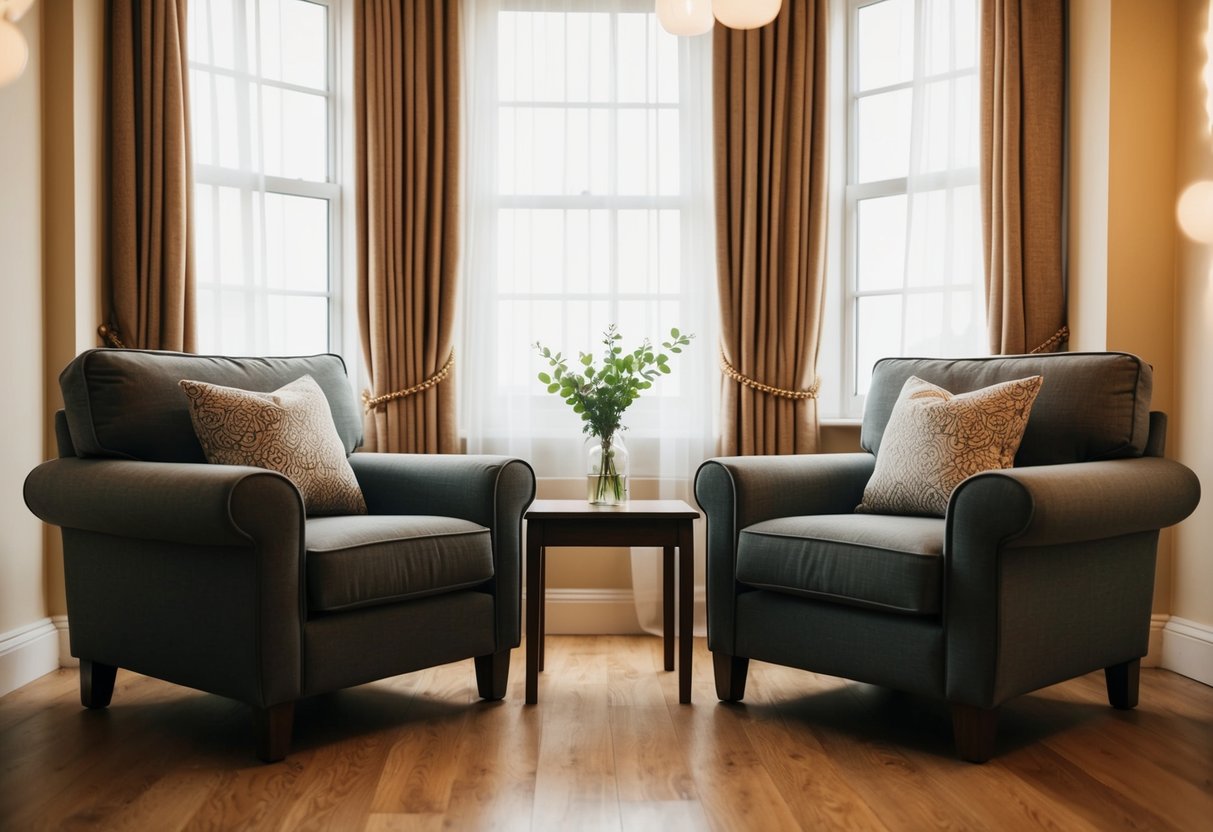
pixel 211 576
pixel 1036 574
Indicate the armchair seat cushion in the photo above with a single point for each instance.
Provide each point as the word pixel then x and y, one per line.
pixel 362 561
pixel 885 562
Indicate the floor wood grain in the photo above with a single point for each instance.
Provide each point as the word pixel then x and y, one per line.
pixel 607 747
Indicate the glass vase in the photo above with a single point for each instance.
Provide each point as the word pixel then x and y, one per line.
pixel 606 460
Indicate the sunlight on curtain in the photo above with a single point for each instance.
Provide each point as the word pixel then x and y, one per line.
pixel 588 202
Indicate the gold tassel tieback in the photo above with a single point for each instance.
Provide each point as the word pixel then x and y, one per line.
pixel 1060 335
pixel 796 395
pixel 374 402
pixel 108 334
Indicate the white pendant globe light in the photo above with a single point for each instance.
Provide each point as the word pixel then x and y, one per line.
pixel 746 14
pixel 685 17
pixel 13 52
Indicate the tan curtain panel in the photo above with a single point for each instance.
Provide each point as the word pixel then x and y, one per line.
pixel 1022 134
pixel 149 287
pixel 770 151
pixel 406 69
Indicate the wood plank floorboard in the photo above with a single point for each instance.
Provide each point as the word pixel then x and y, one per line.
pixel 607 747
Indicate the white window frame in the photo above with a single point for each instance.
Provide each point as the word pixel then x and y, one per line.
pixel 841 356
pixel 330 190
pixel 549 413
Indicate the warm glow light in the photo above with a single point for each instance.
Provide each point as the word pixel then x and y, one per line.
pixel 685 17
pixel 746 14
pixel 1196 211
pixel 13 52
pixel 15 8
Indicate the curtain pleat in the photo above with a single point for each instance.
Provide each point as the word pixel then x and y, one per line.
pixel 1022 174
pixel 770 149
pixel 407 157
pixel 149 285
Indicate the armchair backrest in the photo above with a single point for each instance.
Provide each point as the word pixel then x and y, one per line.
pixel 127 403
pixel 1091 406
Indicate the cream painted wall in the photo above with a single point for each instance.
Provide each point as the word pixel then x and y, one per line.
pixel 1122 195
pixel 73 144
pixel 1089 83
pixel 1192 594
pixel 22 600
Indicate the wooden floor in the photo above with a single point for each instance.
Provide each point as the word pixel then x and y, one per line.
pixel 607 747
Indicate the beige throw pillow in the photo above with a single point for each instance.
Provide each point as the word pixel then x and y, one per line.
pixel 290 431
pixel 934 440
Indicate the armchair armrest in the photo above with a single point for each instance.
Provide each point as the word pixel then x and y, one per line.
pixel 1092 500
pixel 1060 555
pixel 493 491
pixel 221 505
pixel 736 492
pixel 187 572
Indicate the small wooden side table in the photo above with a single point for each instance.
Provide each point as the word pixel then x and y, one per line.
pixel 664 523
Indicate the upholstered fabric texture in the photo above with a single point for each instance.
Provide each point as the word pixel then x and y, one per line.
pixel 367 561
pixel 289 430
pixel 935 440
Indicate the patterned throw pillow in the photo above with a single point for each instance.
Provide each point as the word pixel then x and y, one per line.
pixel 934 440
pixel 290 431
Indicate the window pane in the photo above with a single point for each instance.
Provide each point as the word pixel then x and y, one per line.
pixel 297 248
pixel 632 65
pixel 295 134
pixel 881 243
pixel 212 32
pixel 886 43
pixel 296 325
pixel 949 123
pixel 884 135
pixel 878 334
pixel 951 35
pixel 294 42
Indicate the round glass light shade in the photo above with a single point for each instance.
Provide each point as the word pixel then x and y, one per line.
pixel 685 17
pixel 746 14
pixel 13 52
pixel 1195 211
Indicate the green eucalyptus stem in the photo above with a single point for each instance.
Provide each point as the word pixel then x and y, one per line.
pixel 600 394
pixel 609 482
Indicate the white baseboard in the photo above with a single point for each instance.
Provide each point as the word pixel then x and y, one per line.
pixel 27 653
pixel 66 659
pixel 1187 648
pixel 591 612
pixel 1154 658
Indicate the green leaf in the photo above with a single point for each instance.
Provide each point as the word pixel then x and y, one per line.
pixel 577 408
pixel 589 372
pixel 545 378
pixel 552 388
pixel 586 358
pixel 665 368
pixel 674 332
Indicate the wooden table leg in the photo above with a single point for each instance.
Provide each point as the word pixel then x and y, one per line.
pixel 667 605
pixel 542 639
pixel 686 612
pixel 534 608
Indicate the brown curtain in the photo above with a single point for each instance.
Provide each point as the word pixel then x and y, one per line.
pixel 149 287
pixel 770 149
pixel 407 147
pixel 1022 134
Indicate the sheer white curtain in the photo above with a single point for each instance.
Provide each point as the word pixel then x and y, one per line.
pixel 944 311
pixel 587 145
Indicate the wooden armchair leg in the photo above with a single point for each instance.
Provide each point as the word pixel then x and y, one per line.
pixel 730 676
pixel 272 727
pixel 492 673
pixel 96 684
pixel 1123 680
pixel 974 730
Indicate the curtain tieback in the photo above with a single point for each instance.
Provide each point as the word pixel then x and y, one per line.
pixel 109 336
pixel 1060 335
pixel 375 402
pixel 744 380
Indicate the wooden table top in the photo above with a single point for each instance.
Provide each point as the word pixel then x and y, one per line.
pixel 636 509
